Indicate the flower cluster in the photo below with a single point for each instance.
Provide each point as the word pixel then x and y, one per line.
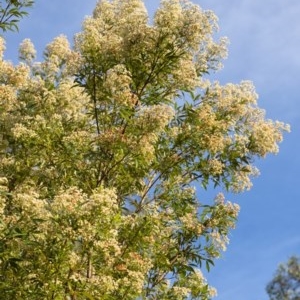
pixel 27 51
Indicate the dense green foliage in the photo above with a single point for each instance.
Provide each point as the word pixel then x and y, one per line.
pixel 103 148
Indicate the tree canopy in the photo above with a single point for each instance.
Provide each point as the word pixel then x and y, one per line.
pixel 286 282
pixel 104 147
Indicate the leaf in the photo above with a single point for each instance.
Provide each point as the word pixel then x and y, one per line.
pixel 208 264
pixel 14 262
pixel 88 295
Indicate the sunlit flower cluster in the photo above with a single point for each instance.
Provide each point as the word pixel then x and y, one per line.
pixel 27 51
pixel 2 46
pixel 117 85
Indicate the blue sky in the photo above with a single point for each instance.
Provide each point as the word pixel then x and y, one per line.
pixel 264 48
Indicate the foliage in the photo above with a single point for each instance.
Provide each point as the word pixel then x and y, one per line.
pixel 11 12
pixel 103 150
pixel 286 282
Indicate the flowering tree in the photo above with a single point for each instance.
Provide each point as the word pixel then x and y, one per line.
pixel 103 149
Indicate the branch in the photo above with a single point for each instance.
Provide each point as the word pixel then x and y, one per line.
pixel 95 103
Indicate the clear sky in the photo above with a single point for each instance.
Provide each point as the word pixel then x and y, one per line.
pixel 264 48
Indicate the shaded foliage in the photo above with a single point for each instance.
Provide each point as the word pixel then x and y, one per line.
pixel 11 11
pixel 286 282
